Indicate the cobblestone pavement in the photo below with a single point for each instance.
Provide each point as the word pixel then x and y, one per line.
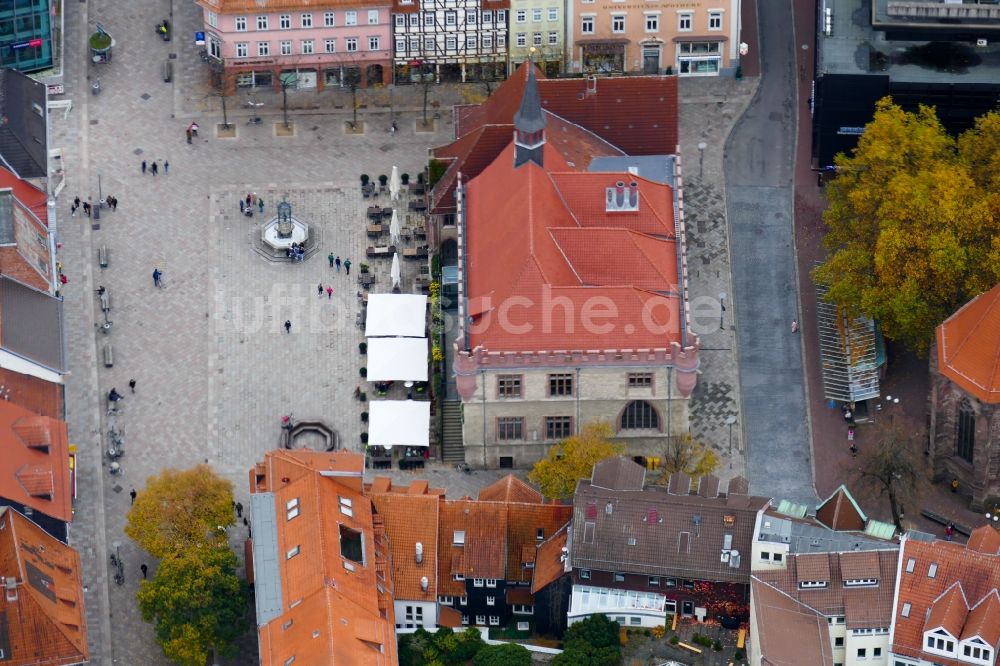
pixel 708 110
pixel 214 368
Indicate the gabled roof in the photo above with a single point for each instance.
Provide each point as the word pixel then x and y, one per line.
pixel 17 246
pixel 613 531
pixel 31 325
pixel 968 347
pixel 34 467
pixel 928 592
pixel 510 489
pixel 325 584
pixel 982 620
pixel 790 633
pixel 44 620
pixel 984 539
pixel 618 473
pixel 840 512
pixel 551 560
pixel 23 133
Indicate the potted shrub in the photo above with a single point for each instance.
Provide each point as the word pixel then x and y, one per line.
pixel 363 347
pixel 363 372
pixel 364 179
pixel 405 178
pixel 363 397
pixel 364 417
pixel 364 438
pixel 383 179
pixel 420 178
pixel 364 268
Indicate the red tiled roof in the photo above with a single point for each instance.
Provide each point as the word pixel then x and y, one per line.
pixel 29 195
pixel 34 469
pixel 840 512
pixel 411 519
pixel 449 617
pixel 46 618
pixel 968 347
pixel 790 632
pixel 515 248
pixel 928 590
pixel 550 564
pixel 982 620
pixel 34 394
pixel 12 261
pixel 510 489
pixel 520 595
pixel 985 539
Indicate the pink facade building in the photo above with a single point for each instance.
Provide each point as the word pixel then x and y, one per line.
pixel 306 45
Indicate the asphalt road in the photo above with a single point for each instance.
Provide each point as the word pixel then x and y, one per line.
pixel 758 169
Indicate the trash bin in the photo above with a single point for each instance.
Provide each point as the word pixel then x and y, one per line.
pixel 95 87
pixel 102 256
pixel 168 71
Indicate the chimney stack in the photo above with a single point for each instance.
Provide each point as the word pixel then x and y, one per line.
pixel 620 194
pixel 633 193
pixel 424 583
pixel 420 552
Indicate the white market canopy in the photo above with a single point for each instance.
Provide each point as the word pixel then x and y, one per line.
pixel 397 359
pixel 396 314
pixel 399 422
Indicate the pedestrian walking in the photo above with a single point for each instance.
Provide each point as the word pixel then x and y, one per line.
pixel 319 290
pixel 144 166
pixel 72 213
pixel 347 266
pixel 131 385
pixel 242 206
pixel 114 204
pixel 132 494
pixel 329 258
pixel 143 568
pixel 156 277
pixel 189 134
pixel 245 523
pixel 166 167
pixel 76 201
pixel 86 209
pixel 329 293
pixel 795 326
pixel 288 326
pixel 260 205
pixel 949 532
pixel 239 509
pixel 854 450
pixel 154 168
pixel 337 262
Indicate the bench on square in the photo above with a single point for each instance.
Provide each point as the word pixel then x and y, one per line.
pixel 102 256
pixel 109 355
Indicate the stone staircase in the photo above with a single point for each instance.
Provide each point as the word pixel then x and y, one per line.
pixel 452 449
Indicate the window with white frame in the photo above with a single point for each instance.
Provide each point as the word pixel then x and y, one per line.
pixel 458 538
pixel 491 582
pixel 487 16
pixel 308 47
pixel 652 22
pixel 242 49
pixel 480 619
pixel 350 17
pixel 715 20
pixel 292 552
pixel 329 19
pixel 400 20
pixel 553 38
pixel 429 44
pixel 459 577
pixel 346 504
pixel 374 43
pixel 491 601
pixel 487 41
pixel 352 44
pixel 285 22
pixel 470 41
pixel 619 577
pixel 451 42
pixel 212 18
pixel 241 24
pixel 215 47
pixel 553 13
pixel 414 20
pixel 400 45
pixel 536 15
pixel 292 505
pixel 372 17
pixel 446 600
pixel 584 574
pixel 684 21
pixel 263 48
pixel 306 20
pixel 522 609
pixel 494 620
pixel 477 582
pixel 536 39
pixel 501 16
pixel 262 22
pixel 414 44
pixel 463 600
pixel 429 19
pixel 521 15
pixel 330 45
pixel 451 17
pixel 618 23
pixel 470 16
pixel 285 47
pixel 465 620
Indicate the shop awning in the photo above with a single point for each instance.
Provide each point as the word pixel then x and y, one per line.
pixel 397 359
pixel 396 314
pixel 848 349
pixel 399 422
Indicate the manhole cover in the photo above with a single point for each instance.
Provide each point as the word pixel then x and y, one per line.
pixel 117 489
pixel 145 96
pixel 137 151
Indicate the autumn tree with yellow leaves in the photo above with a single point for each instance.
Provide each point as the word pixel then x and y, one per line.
pixel 914 222
pixel 573 459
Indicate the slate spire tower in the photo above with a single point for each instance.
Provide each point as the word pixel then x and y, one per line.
pixel 529 124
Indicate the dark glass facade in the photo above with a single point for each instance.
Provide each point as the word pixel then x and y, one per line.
pixel 25 35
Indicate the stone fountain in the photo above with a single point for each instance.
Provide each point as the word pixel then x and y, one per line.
pixel 281 231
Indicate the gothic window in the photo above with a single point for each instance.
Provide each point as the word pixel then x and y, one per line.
pixel 640 415
pixel 965 441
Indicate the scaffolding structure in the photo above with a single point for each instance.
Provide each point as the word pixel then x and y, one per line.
pixel 848 352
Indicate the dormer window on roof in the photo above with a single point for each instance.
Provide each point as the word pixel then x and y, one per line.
pixel 618 199
pixel 861 582
pixel 811 584
pixel 458 539
pixel 932 570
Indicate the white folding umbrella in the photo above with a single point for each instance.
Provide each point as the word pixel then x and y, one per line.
pixel 395 228
pixel 395 272
pixel 394 183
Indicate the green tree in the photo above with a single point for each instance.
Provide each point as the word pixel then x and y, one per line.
pixel 686 454
pixel 914 222
pixel 181 509
pixel 196 603
pixel 591 642
pixel 509 654
pixel 573 459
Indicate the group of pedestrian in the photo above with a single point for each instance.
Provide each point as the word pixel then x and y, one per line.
pixel 154 167
pixel 109 201
pixel 336 263
pixel 297 252
pixel 192 131
pixel 328 290
pixel 250 202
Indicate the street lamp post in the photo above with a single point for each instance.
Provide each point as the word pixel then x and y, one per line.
pixel 722 311
pixel 701 158
pixel 730 420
